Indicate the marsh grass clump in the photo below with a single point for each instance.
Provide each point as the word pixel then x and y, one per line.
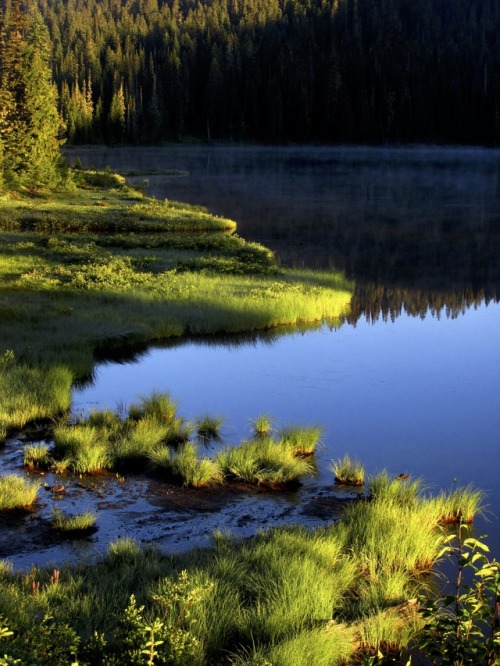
pixel 209 427
pixel 16 492
pixel 158 405
pixel 84 445
pixel 193 471
pixel 160 458
pixel 105 419
pixel 301 440
pixel 30 393
pixel 36 456
pixel 264 462
pixel 82 522
pixel 403 489
pixel 137 440
pixel 348 472
pixel 262 426
pixel 388 535
pixel 459 505
pixel 389 632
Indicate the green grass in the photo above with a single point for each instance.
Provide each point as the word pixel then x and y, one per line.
pixel 36 456
pixel 262 426
pixel 16 492
pixel 301 440
pixel 288 596
pixel 208 427
pixel 80 522
pixel 85 447
pixel 459 505
pixel 264 462
pixel 403 490
pixel 194 471
pixel 30 394
pixel 348 472
pixel 158 405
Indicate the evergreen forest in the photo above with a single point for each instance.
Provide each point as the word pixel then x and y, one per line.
pixel 332 71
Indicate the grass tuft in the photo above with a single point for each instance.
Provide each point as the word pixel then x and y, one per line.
pixel 348 472
pixel 36 456
pixel 209 427
pixel 301 440
pixel 16 492
pixel 81 522
pixel 262 425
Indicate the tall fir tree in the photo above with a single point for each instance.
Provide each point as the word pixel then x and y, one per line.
pixel 30 125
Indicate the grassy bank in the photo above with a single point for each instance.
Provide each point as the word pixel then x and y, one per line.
pixel 102 265
pixel 334 596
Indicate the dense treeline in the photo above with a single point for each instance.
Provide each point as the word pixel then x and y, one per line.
pixel 277 70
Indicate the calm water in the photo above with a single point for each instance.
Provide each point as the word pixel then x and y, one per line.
pixel 412 381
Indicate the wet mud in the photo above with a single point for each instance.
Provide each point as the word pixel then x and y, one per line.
pixel 150 511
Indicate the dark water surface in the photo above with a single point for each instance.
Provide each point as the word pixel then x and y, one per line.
pixel 411 382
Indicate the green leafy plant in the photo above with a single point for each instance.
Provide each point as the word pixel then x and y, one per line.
pixel 463 626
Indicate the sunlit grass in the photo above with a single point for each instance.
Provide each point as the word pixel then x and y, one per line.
pixel 265 462
pixel 16 492
pixel 459 505
pixel 348 472
pixel 158 405
pixel 194 471
pixel 80 522
pixel 287 596
pixel 208 427
pixel 36 456
pixel 84 445
pixel 403 489
pixel 28 394
pixel 262 425
pixel 301 440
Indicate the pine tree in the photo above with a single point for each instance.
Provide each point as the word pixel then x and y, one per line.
pixel 41 159
pixel 30 125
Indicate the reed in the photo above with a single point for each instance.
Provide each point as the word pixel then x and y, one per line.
pixel 16 492
pixel 348 472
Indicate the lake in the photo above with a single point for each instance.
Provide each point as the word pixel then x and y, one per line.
pixel 411 380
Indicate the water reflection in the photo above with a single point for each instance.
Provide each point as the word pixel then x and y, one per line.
pixel 417 229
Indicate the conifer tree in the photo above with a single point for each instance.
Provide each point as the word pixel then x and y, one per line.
pixel 30 125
